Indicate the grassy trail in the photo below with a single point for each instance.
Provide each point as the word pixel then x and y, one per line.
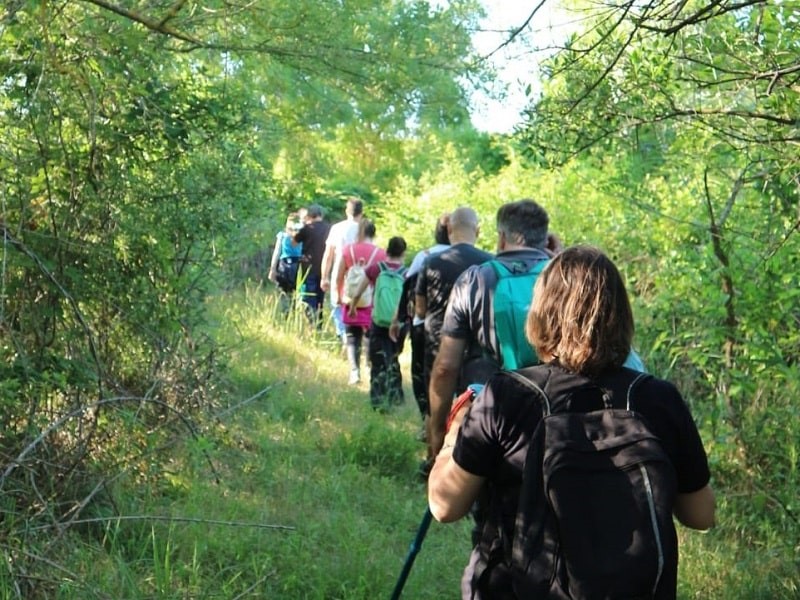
pixel 311 454
pixel 301 491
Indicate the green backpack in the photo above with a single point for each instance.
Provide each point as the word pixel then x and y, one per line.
pixel 388 289
pixel 512 299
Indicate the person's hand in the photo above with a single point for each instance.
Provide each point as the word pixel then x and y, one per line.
pixel 394 331
pixel 273 276
pixel 352 310
pixel 554 245
pixel 325 284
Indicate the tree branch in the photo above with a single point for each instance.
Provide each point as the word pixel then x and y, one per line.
pixel 704 14
pixel 157 26
pixel 167 520
pixel 517 30
pixel 19 245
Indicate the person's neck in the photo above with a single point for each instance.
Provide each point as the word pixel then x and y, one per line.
pixel 462 238
pixel 512 247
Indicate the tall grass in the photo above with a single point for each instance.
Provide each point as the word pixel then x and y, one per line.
pixel 318 496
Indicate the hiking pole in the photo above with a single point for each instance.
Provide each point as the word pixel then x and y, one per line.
pixel 465 397
pixel 412 553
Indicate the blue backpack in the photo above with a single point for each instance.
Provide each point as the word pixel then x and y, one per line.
pixel 512 299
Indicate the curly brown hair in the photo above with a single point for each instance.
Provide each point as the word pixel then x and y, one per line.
pixel 580 314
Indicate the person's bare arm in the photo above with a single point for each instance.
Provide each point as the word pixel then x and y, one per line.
pixel 273 265
pixel 444 378
pixel 420 305
pixel 451 489
pixel 327 267
pixel 394 328
pixel 696 509
pixel 338 275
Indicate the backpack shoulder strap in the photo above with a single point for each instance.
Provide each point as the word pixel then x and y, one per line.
pixel 372 256
pixel 501 270
pixel 352 254
pixel 619 388
pixel 640 378
pixel 516 375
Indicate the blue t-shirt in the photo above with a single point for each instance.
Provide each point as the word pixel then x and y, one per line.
pixel 287 250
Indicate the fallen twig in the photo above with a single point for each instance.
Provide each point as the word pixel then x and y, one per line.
pixel 166 519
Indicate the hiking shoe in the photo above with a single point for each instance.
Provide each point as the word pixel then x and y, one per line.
pixel 355 377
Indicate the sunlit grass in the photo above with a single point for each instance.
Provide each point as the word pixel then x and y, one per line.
pixel 319 498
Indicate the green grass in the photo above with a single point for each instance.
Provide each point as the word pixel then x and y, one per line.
pixel 318 496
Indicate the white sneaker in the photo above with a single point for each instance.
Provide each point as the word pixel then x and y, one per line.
pixel 355 377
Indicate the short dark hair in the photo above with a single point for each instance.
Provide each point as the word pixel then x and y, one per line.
pixel 355 205
pixel 440 233
pixel 396 247
pixel 524 222
pixel 366 229
pixel 580 314
pixel 314 211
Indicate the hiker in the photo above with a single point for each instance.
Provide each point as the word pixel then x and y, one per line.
pixel 581 325
pixel 438 275
pixel 286 259
pixel 468 352
pixel 408 319
pixel 341 233
pixel 312 236
pixel 357 313
pixel 386 277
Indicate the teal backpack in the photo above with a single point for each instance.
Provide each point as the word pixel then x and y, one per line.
pixel 388 289
pixel 512 299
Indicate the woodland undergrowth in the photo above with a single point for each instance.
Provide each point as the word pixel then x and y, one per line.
pixel 295 488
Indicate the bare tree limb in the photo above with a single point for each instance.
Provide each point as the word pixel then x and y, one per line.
pixel 157 26
pixel 55 425
pixel 706 13
pixel 167 520
pixel 170 14
pixel 19 245
pixel 517 30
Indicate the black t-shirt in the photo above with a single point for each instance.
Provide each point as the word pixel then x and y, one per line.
pixel 493 440
pixel 313 236
pixel 436 280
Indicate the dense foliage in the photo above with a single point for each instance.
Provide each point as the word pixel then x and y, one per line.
pixel 683 120
pixel 146 150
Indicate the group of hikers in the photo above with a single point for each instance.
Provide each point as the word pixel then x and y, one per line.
pixel 363 282
pixel 540 419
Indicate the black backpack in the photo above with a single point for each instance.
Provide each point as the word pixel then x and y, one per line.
pixel 594 518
